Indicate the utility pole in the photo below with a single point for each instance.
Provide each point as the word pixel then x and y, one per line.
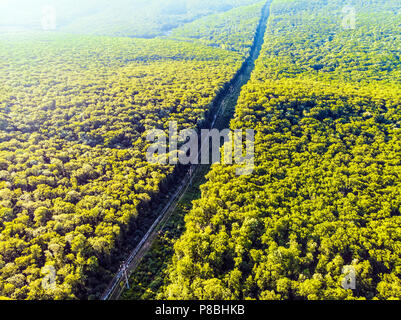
pixel 190 171
pixel 125 275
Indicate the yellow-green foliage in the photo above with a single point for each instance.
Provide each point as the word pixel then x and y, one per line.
pixel 74 111
pixel 325 193
pixel 233 30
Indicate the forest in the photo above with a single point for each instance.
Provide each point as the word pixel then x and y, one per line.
pixel 77 193
pixel 232 30
pixel 325 194
pixel 76 190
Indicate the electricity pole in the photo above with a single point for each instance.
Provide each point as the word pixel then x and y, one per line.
pixel 125 275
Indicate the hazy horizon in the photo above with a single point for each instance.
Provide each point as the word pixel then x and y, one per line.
pixel 122 17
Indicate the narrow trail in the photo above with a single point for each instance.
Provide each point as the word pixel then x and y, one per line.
pixel 225 108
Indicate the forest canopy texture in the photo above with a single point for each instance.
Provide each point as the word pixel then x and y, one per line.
pixel 325 194
pixel 77 193
pixel 74 115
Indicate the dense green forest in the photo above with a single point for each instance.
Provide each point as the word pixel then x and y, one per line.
pixel 75 188
pixel 325 194
pixel 232 30
pixel 77 193
pixel 73 172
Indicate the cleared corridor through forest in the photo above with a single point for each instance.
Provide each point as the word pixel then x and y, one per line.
pixel 224 106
